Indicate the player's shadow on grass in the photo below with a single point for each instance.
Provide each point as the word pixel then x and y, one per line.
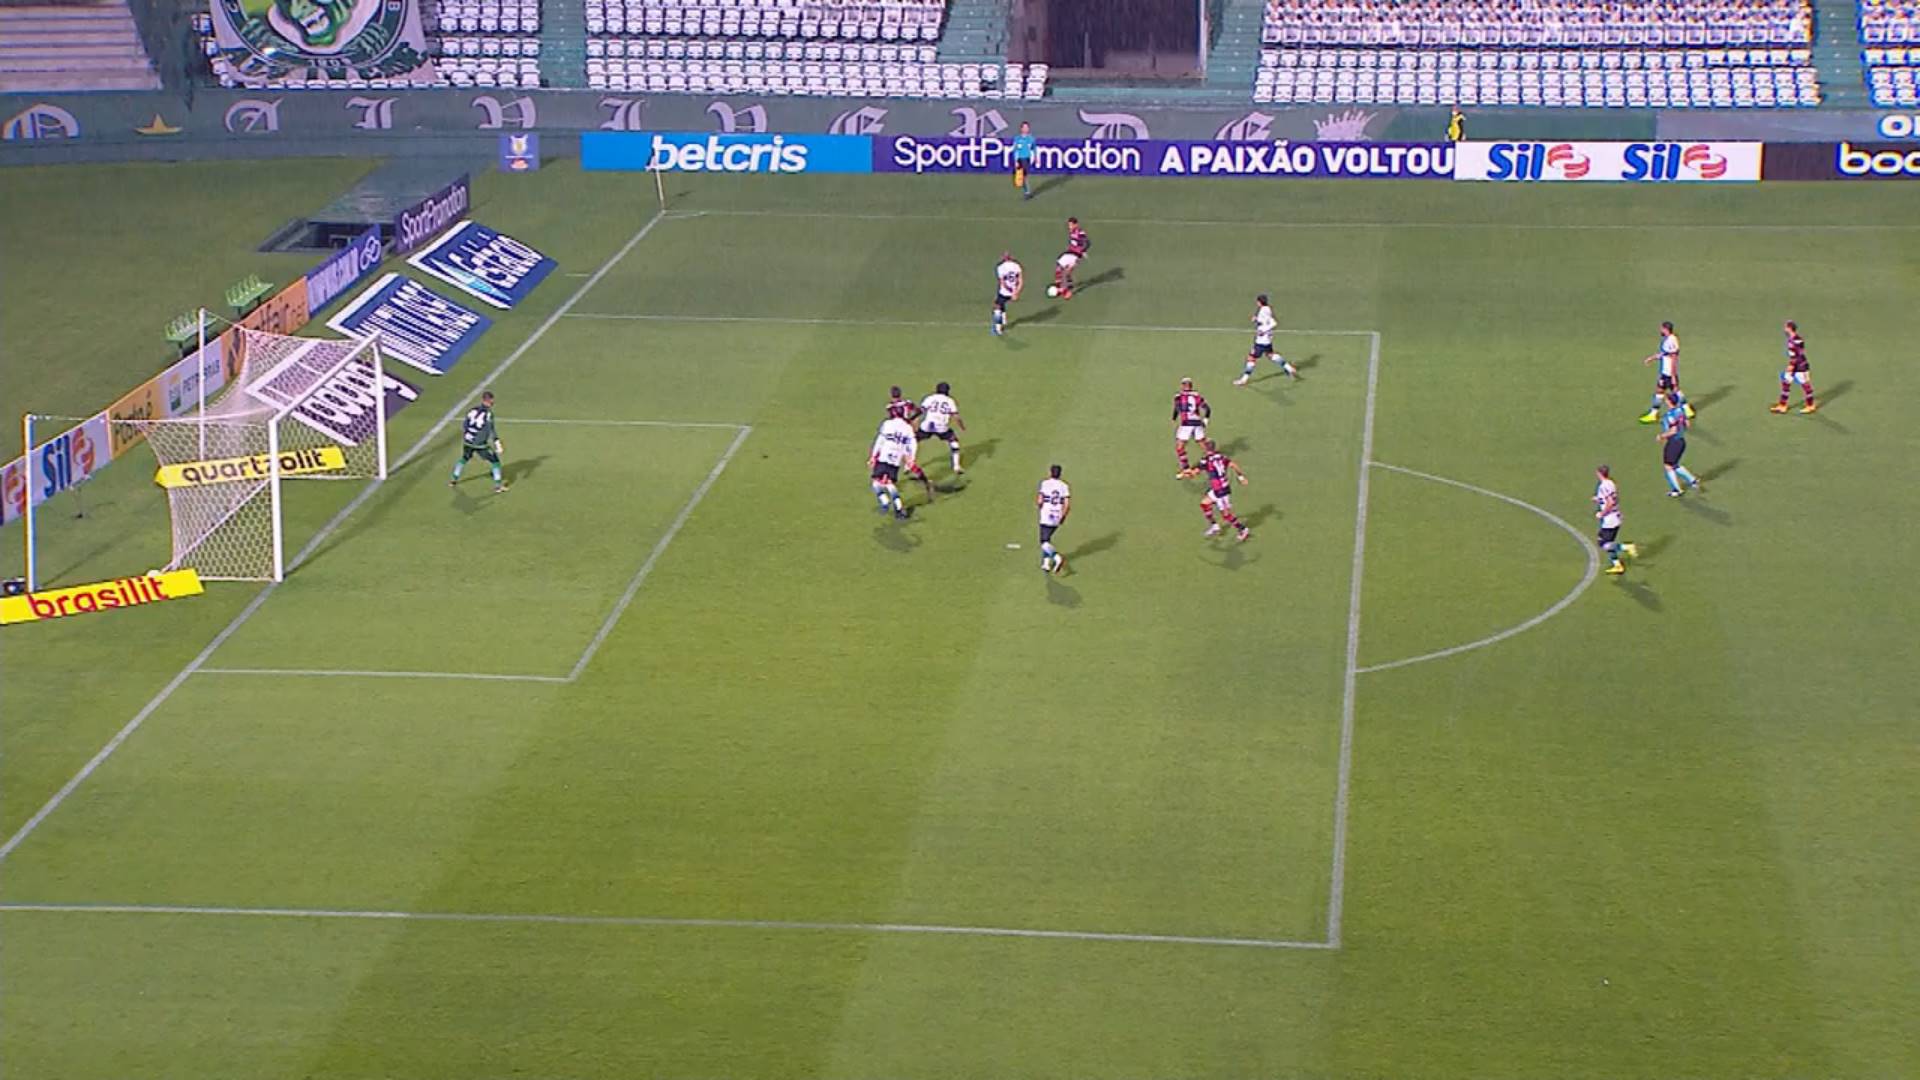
pixel 1238 445
pixel 1641 592
pixel 1261 516
pixel 522 469
pixel 1093 547
pixel 1651 550
pixel 1695 506
pixel 1045 314
pixel 1834 393
pixel 1105 277
pixel 1233 557
pixel 1059 592
pixel 1708 476
pixel 1050 183
pixel 974 453
pixel 1712 397
pixel 1308 363
pixel 893 536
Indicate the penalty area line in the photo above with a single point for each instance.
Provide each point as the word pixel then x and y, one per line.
pixel 333 524
pixel 638 921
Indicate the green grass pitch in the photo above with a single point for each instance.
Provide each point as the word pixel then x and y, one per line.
pixel 771 786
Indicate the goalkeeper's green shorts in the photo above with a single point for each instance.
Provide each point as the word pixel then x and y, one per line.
pixel 467 453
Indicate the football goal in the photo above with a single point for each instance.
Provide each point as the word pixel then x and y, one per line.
pixel 289 408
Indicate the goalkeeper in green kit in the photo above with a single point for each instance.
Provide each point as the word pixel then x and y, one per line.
pixel 477 437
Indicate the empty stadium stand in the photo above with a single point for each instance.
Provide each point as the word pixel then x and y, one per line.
pixel 487 43
pixel 1572 54
pixel 1890 30
pixel 72 47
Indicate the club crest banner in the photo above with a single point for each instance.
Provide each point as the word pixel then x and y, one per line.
pixel 369 39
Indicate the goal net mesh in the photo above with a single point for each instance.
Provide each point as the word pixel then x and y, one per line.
pixel 291 402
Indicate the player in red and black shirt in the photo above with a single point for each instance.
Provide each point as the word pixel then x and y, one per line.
pixel 1190 415
pixel 1795 372
pixel 1220 493
pixel 1077 244
pixel 900 407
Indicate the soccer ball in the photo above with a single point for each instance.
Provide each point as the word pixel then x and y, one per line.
pixel 1053 290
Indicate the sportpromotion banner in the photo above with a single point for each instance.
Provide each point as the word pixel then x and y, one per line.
pixel 369 39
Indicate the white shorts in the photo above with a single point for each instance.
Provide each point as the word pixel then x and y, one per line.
pixel 1068 260
pixel 1221 499
pixel 1189 433
pixel 1794 377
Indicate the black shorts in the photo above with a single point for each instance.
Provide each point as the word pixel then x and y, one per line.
pixel 1260 350
pixel 1671 452
pixel 1046 533
pixel 468 453
pixel 1608 534
pixel 950 435
pixel 884 471
pixel 1000 301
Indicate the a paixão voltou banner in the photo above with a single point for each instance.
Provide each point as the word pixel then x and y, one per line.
pixel 1164 157
pixel 1842 161
pixel 482 263
pixel 1630 162
pixel 368 39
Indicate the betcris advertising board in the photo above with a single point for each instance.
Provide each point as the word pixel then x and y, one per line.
pixel 690 151
pixel 1620 162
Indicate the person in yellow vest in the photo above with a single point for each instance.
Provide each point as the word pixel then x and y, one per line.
pixel 1456 124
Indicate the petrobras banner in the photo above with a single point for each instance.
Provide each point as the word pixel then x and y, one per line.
pixel 482 263
pixel 1170 157
pixel 1630 162
pixel 331 39
pixel 343 269
pixel 1842 161
pixel 416 326
pixel 423 220
pixel 54 466
pixel 180 385
pixel 684 151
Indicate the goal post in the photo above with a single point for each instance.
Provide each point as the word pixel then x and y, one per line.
pixel 298 409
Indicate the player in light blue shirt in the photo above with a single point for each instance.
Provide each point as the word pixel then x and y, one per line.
pixel 1023 145
pixel 1673 445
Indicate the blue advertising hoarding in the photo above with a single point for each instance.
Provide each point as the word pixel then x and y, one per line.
pixel 1170 157
pixel 688 151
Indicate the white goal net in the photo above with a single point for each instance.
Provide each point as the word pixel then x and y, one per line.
pixel 298 409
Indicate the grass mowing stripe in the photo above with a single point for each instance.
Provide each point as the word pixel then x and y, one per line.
pixel 1586 579
pixel 950 324
pixel 659 548
pixel 1336 892
pixel 246 613
pixel 655 921
pixel 329 673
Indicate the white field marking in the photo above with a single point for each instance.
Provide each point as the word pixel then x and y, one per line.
pixel 919 324
pixel 481 676
pixel 326 530
pixel 1259 223
pixel 1337 888
pixel 655 921
pixel 619 608
pixel 659 548
pixel 1586 579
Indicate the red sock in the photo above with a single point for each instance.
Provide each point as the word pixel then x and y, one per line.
pixel 1231 520
pixel 1060 279
pixel 1180 451
pixel 1806 386
pixel 1784 386
pixel 1207 509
